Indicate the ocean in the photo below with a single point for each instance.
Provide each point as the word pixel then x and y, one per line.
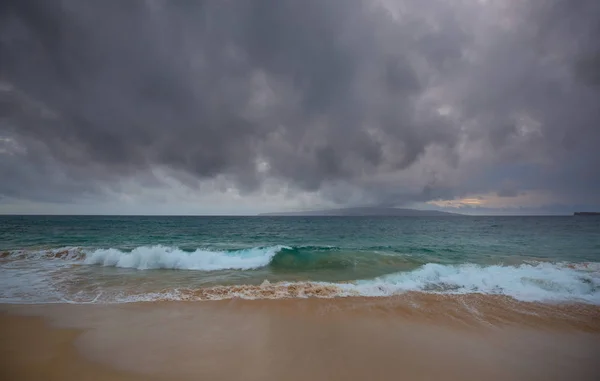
pixel 109 259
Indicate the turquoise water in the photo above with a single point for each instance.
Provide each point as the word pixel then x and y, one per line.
pixel 78 258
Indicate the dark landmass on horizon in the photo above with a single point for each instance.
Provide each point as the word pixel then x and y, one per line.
pixel 365 211
pixel 586 214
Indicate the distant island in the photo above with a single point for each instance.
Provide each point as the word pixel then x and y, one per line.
pixel 586 213
pixel 366 211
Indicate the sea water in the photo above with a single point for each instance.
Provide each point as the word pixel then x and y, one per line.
pixel 104 259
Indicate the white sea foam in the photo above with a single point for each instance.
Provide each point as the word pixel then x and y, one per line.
pixel 542 282
pixel 163 257
pixel 527 282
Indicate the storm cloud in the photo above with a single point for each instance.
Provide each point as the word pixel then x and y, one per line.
pixel 363 102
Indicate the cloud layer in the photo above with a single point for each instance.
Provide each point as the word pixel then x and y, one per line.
pixel 356 102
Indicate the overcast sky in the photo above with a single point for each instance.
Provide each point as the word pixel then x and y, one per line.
pixel 239 107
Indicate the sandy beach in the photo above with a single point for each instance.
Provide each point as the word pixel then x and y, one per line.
pixel 414 337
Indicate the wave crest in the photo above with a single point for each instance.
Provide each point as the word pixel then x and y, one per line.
pixel 162 257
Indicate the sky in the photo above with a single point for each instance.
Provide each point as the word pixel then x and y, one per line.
pixel 242 107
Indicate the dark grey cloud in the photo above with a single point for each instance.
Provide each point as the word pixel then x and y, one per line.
pixel 348 98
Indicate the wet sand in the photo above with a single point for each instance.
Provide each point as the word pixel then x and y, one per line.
pixel 412 337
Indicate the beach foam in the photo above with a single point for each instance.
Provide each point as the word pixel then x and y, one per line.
pixel 527 282
pixel 282 290
pixel 543 282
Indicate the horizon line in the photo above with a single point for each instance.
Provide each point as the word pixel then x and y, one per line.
pixel 274 214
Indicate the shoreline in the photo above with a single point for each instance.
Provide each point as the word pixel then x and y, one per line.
pixel 419 336
pixel 455 310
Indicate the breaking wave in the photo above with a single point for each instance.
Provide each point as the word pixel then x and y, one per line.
pixel 527 282
pixel 277 258
pixel 161 257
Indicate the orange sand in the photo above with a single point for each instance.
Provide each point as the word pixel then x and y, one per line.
pixel 412 337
